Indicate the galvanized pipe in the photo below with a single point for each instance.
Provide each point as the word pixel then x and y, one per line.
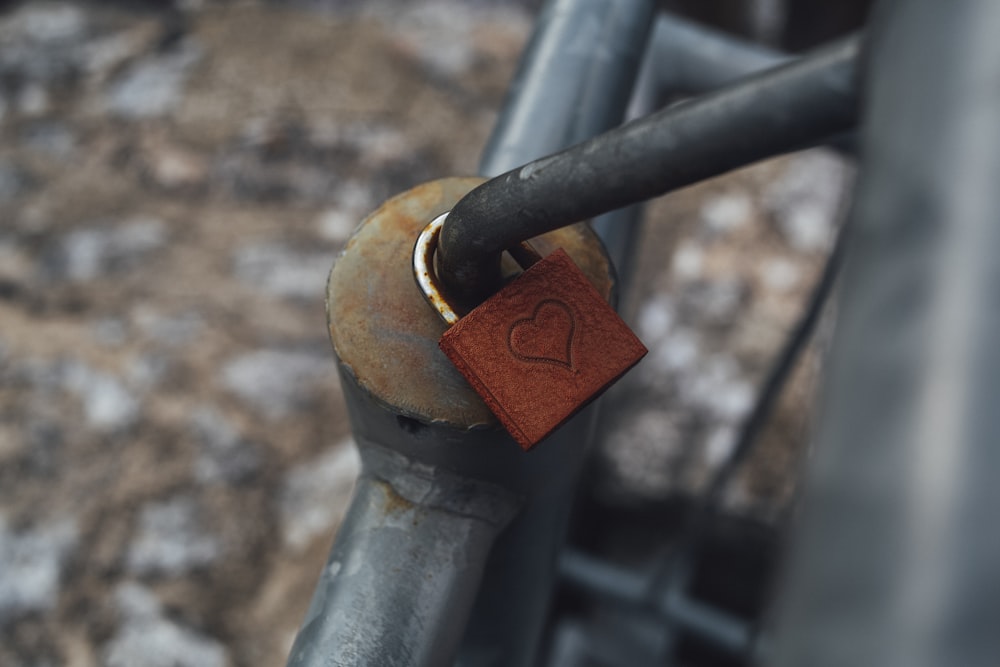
pixel 784 109
pixel 402 575
pixel 440 478
pixel 634 589
pixel 564 93
pixel 682 57
pixel 574 81
pixel 688 57
pixel 896 557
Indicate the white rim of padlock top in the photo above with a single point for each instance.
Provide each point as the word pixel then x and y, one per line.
pixel 426 276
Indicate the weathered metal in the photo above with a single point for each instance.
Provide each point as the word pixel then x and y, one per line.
pixel 574 80
pixel 404 395
pixel 385 333
pixel 791 107
pixel 406 560
pixel 426 275
pixel 440 479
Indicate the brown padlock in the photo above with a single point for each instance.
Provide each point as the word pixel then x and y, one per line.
pixel 541 348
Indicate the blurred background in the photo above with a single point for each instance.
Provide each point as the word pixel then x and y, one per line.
pixel 176 180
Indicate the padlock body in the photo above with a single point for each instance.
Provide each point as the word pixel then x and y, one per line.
pixel 542 348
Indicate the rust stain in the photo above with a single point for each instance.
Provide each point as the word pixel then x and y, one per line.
pixel 394 503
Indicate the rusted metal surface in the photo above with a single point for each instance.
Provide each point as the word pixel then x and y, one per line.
pixel 393 502
pixel 381 327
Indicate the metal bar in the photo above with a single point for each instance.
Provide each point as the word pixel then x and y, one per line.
pixel 688 57
pixel 573 82
pixel 440 477
pixel 574 79
pixel 682 57
pixel 403 562
pixel 896 558
pixel 619 231
pixel 622 586
pixel 723 631
pixel 407 562
pixel 403 571
pixel 781 110
pixel 777 378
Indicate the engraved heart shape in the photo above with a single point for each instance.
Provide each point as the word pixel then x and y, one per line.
pixel 546 336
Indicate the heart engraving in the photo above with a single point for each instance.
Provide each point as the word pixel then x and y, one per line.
pixel 545 337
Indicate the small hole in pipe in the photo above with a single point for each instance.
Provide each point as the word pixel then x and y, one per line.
pixel 410 425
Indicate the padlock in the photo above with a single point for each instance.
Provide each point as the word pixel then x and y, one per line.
pixel 540 349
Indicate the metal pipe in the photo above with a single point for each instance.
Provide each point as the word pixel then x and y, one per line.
pixel 407 558
pixel 682 57
pixel 574 81
pixel 777 378
pixel 896 559
pixel 564 93
pixel 688 57
pixel 440 479
pixel 622 586
pixel 784 109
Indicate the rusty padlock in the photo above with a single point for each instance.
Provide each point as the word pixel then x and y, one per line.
pixel 539 350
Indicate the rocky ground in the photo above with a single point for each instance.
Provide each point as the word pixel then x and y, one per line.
pixel 174 186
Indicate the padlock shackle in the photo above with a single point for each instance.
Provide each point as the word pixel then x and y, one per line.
pixel 787 108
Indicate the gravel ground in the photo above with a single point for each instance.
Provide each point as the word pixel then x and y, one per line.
pixel 174 186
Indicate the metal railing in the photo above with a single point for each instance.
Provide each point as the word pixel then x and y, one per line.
pixel 450 549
